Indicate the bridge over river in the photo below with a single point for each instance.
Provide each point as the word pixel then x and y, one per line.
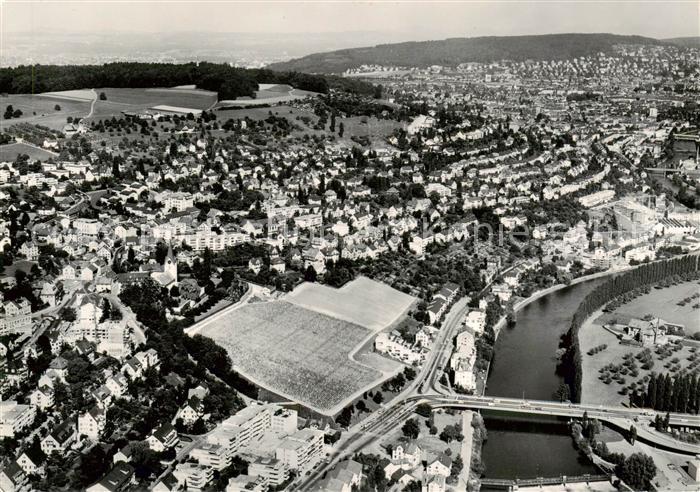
pixel 619 417
pixel 497 483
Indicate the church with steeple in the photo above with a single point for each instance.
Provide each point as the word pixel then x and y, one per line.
pixel 167 276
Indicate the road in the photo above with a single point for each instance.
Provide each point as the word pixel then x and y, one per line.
pixel 49 320
pixel 182 453
pixel 424 387
pixel 92 105
pixel 390 418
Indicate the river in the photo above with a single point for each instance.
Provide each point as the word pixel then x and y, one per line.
pixel 524 365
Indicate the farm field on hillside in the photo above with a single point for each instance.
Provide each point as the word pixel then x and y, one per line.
pixel 187 98
pixel 119 100
pixel 363 301
pixel 269 94
pixel 295 352
pixel 44 107
pixel 11 151
pixel 79 94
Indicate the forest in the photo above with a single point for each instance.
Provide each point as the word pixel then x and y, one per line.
pixel 453 51
pixel 229 82
pixel 644 275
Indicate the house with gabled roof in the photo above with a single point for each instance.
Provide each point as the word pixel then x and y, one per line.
pixel 192 411
pixel 13 479
pixel 60 438
pixel 118 478
pixel 407 456
pixel 42 397
pixel 32 461
pixel 442 465
pixel 92 423
pixel 162 438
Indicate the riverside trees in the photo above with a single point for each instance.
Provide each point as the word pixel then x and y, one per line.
pixel 685 267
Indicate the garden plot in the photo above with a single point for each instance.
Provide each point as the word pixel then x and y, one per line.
pixel 295 352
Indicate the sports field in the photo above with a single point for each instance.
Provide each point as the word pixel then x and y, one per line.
pixel 363 301
pixel 295 352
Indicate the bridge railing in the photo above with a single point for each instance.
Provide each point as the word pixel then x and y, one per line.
pixel 541 481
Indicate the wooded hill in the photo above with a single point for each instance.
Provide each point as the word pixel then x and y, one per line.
pixel 452 52
pixel 229 82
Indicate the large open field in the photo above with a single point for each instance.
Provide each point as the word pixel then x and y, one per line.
pixel 10 152
pixel 607 376
pixel 269 94
pixel 369 126
pixel 664 304
pixel 40 109
pixel 119 100
pixel 295 352
pixel 363 301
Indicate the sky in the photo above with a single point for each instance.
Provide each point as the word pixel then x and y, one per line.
pixel 411 19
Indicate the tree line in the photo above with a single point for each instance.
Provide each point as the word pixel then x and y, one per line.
pixel 678 394
pixel 229 82
pixel 644 275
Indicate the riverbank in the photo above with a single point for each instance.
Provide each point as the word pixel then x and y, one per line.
pixel 523 303
pixel 595 387
pixel 554 288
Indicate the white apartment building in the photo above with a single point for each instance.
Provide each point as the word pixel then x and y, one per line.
pixel 271 469
pixel 193 476
pixel 596 198
pixel 248 425
pixel 462 361
pixel 15 317
pixel 180 201
pixel 15 417
pixel 87 227
pixel 476 320
pixel 302 450
pixel 309 220
pixel 396 347
pixel 201 239
pixel 212 455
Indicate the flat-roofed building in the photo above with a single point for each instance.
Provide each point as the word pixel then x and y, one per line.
pixel 212 455
pixel 193 476
pixel 273 470
pixel 302 450
pixel 15 417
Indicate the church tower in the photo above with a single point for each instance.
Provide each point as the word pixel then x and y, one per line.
pixel 170 265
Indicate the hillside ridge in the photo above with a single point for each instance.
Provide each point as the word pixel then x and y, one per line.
pixel 453 51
